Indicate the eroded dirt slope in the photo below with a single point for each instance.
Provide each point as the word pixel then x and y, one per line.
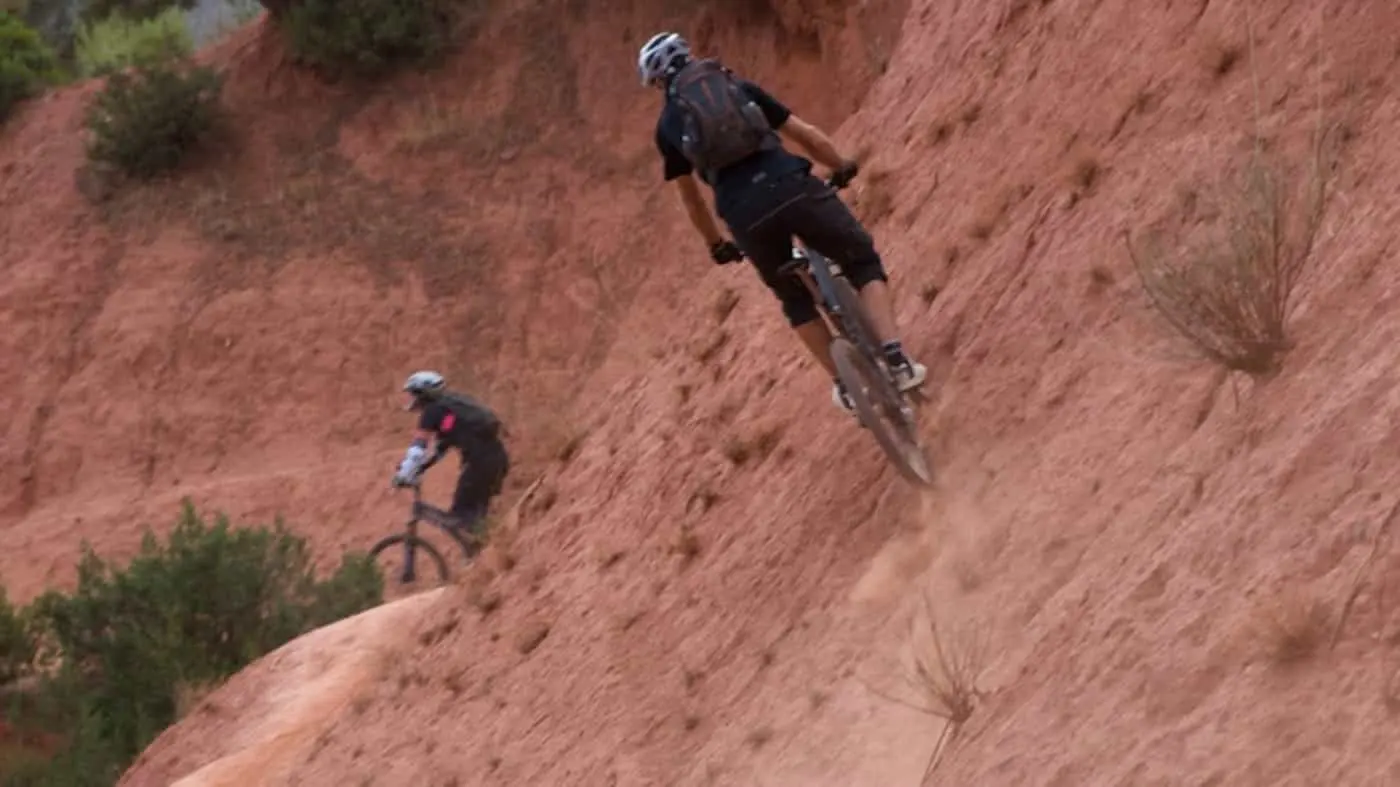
pixel 707 589
pixel 238 334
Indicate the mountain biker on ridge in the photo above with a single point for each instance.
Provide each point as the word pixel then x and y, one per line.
pixel 730 131
pixel 458 421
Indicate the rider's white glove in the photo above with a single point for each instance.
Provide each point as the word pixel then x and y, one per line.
pixel 408 468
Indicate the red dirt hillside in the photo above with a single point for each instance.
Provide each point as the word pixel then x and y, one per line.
pixel 239 334
pixel 1180 575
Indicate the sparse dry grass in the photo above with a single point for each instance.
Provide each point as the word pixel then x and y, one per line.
pixel 1382 535
pixel 944 674
pixel 1229 292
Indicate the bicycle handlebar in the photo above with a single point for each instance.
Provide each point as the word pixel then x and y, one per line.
pixel 831 181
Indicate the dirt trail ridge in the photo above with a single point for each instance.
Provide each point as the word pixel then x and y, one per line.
pixel 715 582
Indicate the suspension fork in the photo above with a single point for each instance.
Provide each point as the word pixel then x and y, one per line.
pixel 408 551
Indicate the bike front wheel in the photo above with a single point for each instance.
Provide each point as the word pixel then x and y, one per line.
pixel 859 329
pixel 883 410
pixel 401 567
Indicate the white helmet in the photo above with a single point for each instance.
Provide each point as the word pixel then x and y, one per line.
pixel 424 383
pixel 659 54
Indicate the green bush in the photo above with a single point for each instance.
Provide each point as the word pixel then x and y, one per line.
pixel 116 42
pixel 367 37
pixel 192 611
pixel 26 63
pixel 16 641
pixel 145 120
pixel 134 9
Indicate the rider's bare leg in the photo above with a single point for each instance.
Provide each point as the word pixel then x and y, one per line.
pixel 875 296
pixel 880 306
pixel 817 338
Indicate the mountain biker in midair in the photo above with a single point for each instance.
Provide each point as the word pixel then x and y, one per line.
pixel 455 420
pixel 765 194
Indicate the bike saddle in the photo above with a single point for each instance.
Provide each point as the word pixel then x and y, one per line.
pixel 797 259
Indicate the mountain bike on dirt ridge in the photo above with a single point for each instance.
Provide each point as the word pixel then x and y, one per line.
pixel 466 535
pixel 719 130
pixel 448 419
pixel 855 349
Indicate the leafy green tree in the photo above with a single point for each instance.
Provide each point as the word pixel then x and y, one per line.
pixel 187 612
pixel 366 37
pixel 26 62
pixel 146 120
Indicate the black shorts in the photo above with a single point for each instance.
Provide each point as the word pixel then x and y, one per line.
pixel 485 465
pixel 765 220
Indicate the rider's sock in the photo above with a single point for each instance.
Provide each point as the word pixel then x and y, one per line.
pixel 894 353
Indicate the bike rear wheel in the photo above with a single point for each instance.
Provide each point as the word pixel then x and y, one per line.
pixel 402 569
pixel 883 410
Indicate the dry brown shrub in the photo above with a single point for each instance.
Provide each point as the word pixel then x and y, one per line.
pixel 944 674
pixel 1229 290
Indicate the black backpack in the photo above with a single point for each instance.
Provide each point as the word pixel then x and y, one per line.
pixel 720 124
pixel 475 417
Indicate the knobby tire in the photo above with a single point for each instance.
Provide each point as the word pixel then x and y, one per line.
pixel 878 405
pixel 420 547
pixel 853 313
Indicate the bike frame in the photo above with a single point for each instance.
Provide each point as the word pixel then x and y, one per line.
pixel 818 274
pixel 427 512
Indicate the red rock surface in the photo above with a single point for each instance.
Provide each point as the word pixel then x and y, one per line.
pixel 1115 518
